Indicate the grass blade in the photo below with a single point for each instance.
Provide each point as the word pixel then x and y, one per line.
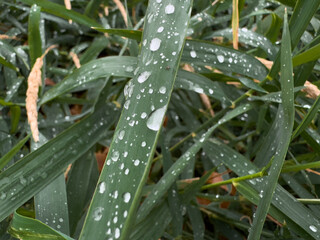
pixel 31 229
pixel 287 110
pixel 177 168
pixel 141 118
pixel 17 189
pixel 34 39
pixel 61 11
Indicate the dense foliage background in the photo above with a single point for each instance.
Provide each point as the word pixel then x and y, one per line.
pixel 160 119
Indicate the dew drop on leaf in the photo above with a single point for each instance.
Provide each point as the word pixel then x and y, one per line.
pixel 126 197
pixel 115 156
pixel 144 76
pixel 193 54
pixel 102 187
pixel 155 119
pixel 160 29
pixel 220 58
pixel 169 9
pixel 313 228
pixel 97 214
pixel 155 44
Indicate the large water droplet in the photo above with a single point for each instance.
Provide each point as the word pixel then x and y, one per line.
pixel 102 187
pixel 313 228
pixel 155 44
pixel 163 90
pixel 121 134
pixel 97 214
pixel 115 156
pixel 169 9
pixel 126 197
pixel 144 76
pixel 117 233
pixel 155 119
pixel 193 54
pixel 220 58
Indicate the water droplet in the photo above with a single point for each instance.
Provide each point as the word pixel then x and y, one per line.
pixel 102 187
pixel 126 197
pixel 313 228
pixel 125 214
pixel 160 29
pixel 121 134
pixel 155 119
pixel 143 144
pixel 60 219
pixel 144 76
pixel 117 233
pixel 136 162
pixel 162 90
pixel 115 156
pixel 169 9
pixel 144 115
pixel 220 58
pixel 193 54
pixel 155 44
pixel 97 214
pixel 3 196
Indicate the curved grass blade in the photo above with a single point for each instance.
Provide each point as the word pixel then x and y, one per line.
pixel 282 200
pixel 4 160
pixel 61 11
pixel 286 126
pixel 34 39
pixel 40 167
pixel 128 33
pixel 5 63
pixel 82 180
pixel 202 53
pixel 178 167
pixel 131 151
pixel 250 38
pixel 309 55
pixel 307 119
pixel 31 229
pixel 93 70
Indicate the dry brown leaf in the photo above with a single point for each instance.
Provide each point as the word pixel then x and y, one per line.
pixel 122 11
pixel 265 62
pixel 311 90
pixel 75 59
pixel 34 81
pixel 3 36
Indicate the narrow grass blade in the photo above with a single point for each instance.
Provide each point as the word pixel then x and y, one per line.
pixel 61 11
pixel 129 159
pixel 4 160
pixel 309 55
pixel 93 70
pixel 177 168
pixel 132 34
pixel 82 180
pixel 307 119
pixel 250 38
pixel 34 39
pixel 287 110
pixel 40 167
pixel 53 199
pixel 282 200
pixel 5 63
pixel 15 112
pixel 31 229
pixel 202 53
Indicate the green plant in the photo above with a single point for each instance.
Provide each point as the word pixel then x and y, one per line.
pixel 201 137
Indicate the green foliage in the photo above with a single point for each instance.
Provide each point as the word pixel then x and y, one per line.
pixel 198 138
